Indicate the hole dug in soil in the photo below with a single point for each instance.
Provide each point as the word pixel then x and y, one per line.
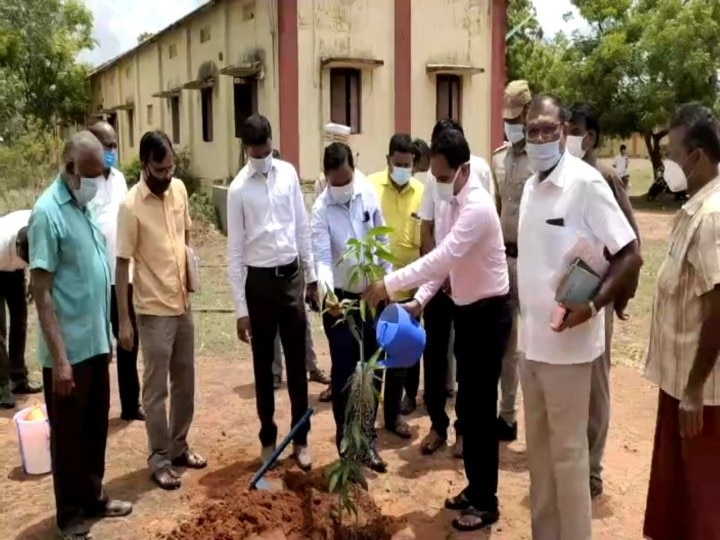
pixel 303 511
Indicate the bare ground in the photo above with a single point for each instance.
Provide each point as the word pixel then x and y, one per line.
pixel 225 430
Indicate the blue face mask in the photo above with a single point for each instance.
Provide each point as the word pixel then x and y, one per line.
pixel 543 156
pixel 401 175
pixel 109 158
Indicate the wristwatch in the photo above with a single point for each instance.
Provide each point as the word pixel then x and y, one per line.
pixel 593 309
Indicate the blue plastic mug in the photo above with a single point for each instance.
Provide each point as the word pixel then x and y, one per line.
pixel 400 336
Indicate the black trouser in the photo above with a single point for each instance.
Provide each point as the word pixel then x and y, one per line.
pixel 482 331
pixel 275 302
pixel 392 395
pixel 128 380
pixel 78 435
pixel 344 356
pixel 438 316
pixel 13 295
pixel 412 381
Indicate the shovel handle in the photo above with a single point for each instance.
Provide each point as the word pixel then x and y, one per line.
pixel 280 448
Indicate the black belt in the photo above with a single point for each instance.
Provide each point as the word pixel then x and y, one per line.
pixel 511 249
pixel 286 270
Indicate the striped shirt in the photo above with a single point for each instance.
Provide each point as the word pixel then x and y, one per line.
pixel 691 269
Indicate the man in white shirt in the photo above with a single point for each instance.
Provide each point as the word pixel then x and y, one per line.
pixel 269 261
pixel 566 199
pixel 347 209
pixel 104 208
pixel 13 261
pixel 621 164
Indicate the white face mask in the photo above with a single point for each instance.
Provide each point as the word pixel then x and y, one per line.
pixel 574 145
pixel 543 156
pixel 446 192
pixel 87 190
pixel 514 132
pixel 261 165
pixel 401 175
pixel 342 194
pixel 675 177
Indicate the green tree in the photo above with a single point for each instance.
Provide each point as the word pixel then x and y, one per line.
pixel 642 58
pixel 144 36
pixel 529 55
pixel 40 78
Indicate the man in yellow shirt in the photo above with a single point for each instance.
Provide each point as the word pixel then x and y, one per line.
pixel 154 232
pixel 400 195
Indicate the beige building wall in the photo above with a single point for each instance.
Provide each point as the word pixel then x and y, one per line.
pixel 453 32
pixel 252 36
pixel 360 33
pixel 351 29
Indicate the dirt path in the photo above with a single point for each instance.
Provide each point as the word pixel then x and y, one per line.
pixel 225 430
pixel 414 489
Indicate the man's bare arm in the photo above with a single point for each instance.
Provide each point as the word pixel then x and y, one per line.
pixel 624 266
pixel 709 346
pixel 41 283
pixel 122 279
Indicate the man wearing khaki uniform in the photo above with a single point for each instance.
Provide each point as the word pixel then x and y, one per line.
pixel 582 142
pixel 154 232
pixel 511 169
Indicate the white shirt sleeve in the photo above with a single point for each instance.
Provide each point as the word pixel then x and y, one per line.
pixel 302 233
pixel 602 215
pixel 237 271
pixel 321 246
pixel 481 170
pixel 427 205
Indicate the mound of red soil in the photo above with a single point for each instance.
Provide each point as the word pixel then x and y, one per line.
pixel 305 510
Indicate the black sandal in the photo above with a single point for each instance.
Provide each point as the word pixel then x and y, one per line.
pixel 432 443
pixel 458 502
pixel 166 479
pixel 480 519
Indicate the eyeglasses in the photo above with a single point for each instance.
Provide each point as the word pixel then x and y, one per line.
pixel 542 130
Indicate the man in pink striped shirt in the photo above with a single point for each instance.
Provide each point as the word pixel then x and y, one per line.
pixel 473 255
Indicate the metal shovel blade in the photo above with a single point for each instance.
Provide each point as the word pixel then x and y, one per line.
pixel 269 484
pixel 257 481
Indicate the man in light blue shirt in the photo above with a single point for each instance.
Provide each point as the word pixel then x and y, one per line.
pixel 71 287
pixel 346 210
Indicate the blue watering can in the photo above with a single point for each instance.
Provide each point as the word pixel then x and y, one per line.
pixel 400 336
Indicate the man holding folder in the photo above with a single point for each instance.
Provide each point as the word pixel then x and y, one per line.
pixel 566 203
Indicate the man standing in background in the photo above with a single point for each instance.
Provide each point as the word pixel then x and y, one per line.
pixel 154 233
pixel 400 196
pixel 111 192
pixel 582 142
pixel 621 164
pixel 13 261
pixel 315 373
pixel 511 177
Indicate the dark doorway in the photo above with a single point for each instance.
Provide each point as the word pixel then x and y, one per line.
pixel 246 101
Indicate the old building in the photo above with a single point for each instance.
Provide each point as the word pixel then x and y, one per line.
pixel 379 66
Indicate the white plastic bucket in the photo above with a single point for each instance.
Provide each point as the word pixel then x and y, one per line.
pixel 34 439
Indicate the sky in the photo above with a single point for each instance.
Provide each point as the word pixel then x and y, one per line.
pixel 119 22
